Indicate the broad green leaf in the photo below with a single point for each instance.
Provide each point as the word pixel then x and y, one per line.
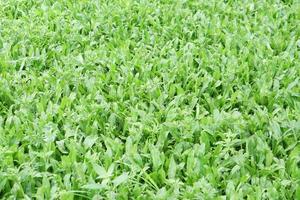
pixel 172 168
pixel 120 179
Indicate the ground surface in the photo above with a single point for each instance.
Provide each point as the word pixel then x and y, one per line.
pixel 149 99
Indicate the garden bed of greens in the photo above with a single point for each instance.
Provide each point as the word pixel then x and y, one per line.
pixel 149 99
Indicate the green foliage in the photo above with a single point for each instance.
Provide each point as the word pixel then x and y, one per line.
pixel 164 99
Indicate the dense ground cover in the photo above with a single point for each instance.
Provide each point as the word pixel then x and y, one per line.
pixel 149 99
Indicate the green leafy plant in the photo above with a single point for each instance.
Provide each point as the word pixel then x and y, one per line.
pixel 164 99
